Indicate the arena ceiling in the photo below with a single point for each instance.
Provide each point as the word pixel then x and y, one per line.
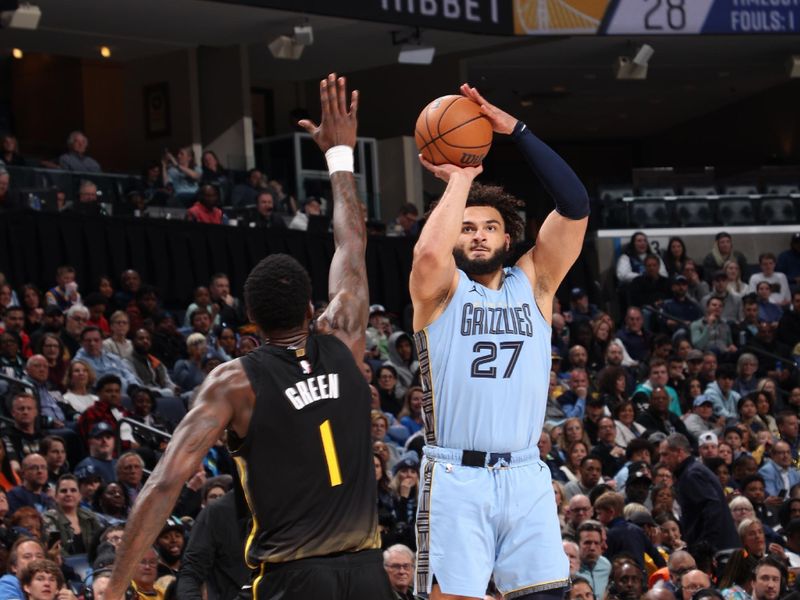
pixel 565 82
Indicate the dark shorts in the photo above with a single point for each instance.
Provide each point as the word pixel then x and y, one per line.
pixel 352 576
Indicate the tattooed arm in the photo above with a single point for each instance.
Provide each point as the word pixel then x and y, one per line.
pixel 224 398
pixel 347 314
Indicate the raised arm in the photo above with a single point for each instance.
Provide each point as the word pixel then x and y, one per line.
pixel 561 235
pixel 348 311
pixel 225 388
pixel 433 272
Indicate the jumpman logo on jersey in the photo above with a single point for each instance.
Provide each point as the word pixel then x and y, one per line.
pixel 476 290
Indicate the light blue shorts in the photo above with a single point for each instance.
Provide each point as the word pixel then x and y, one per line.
pixel 475 522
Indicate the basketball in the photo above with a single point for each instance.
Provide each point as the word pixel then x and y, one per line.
pixel 452 129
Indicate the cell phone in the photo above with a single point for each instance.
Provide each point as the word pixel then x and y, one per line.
pixel 52 538
pixel 782 494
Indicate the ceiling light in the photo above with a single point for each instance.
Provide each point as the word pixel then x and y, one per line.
pixel 105 51
pixel 16 53
pixel 291 47
pixel 643 55
pixel 26 16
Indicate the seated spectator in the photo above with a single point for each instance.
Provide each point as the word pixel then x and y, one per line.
pixel 80 379
pixel 131 282
pixel 14 322
pixel 625 420
pixel 751 534
pixel 152 186
pixel 411 415
pixel 202 300
pixel 780 293
pixel 311 207
pixel 574 453
pixel 182 174
pixel 650 288
pixel 110 504
pixel 747 328
pixel 752 487
pixel 779 473
pixel 144 308
pixel 594 567
pixel 108 409
pixel 188 373
pixel 610 454
pixel 767 311
pixel 631 262
pixel 226 347
pixel 390 389
pixel 633 336
pixel 623 536
pixel 771 349
pixel 33 305
pixel 711 333
pixel 215 174
pixel 789 262
pixel 722 394
pixel 206 208
pixel 229 309
pixel 101 442
pixel 702 419
pixel 103 362
pixel 721 252
pixel 52 348
pixel 54 450
pixel 88 482
pixel 680 306
pixel 147 368
pixel 145 575
pixel 245 194
pixel 65 293
pixel 130 474
pixel 746 367
pixel 731 302
pixel 697 288
pixel 23 438
pixel 26 550
pixel 88 200
pixel 144 410
pixel 9 151
pixel 119 343
pixel 50 406
pixel 398 560
pixel 76 318
pixel 11 363
pixel 264 214
pixel 52 322
pixel 590 474
pixel 33 490
pixel 674 256
pixel 658 377
pixel 76 159
pixel 658 417
pixel 76 526
pixel 168 343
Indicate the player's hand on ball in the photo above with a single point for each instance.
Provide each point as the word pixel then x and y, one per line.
pixel 446 170
pixel 502 122
pixel 338 123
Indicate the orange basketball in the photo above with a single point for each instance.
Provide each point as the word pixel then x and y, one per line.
pixel 452 129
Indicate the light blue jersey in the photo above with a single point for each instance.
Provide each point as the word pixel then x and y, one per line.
pixel 485 366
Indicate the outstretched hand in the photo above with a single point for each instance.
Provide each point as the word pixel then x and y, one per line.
pixel 501 121
pixel 446 170
pixel 338 123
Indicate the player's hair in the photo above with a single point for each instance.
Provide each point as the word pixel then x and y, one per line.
pixel 497 198
pixel 277 293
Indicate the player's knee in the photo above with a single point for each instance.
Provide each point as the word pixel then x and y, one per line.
pixel 556 594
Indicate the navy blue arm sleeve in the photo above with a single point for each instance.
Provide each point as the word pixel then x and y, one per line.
pixel 556 176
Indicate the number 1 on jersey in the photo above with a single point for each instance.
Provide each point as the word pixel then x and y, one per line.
pixel 330 453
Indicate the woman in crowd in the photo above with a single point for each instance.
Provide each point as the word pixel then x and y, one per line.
pixel 33 305
pixel 602 336
pixel 768 385
pixel 226 343
pixel 202 299
pixel 674 256
pixel 188 372
pixel 572 431
pixel 561 504
pixel 763 402
pixel 671 539
pixel 76 526
pixel 625 420
pixel 28 520
pixel 721 252
pixel 182 174
pixel 144 410
pixel 717 466
pixel 737 580
pixel 612 387
pixel 725 452
pixel 631 262
pixel 746 409
pixel 9 151
pixel 404 485
pixel 8 471
pixel 662 498
pixel 698 289
pixel 751 533
pixel 694 388
pixel 52 348
pixel 734 273
pixel 741 508
pixel 576 451
pixel 390 389
pixel 54 450
pixel 746 367
pixel 387 518
pixel 411 414
pixel 153 186
pixel 105 287
pixel 111 504
pixel 119 343
pixel 79 380
pixel 215 174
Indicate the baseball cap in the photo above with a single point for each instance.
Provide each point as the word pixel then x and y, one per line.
pixel 642 517
pixel 694 354
pixel 554 353
pixel 173 524
pixel 679 279
pixel 376 309
pixel 409 460
pixel 638 476
pixel 702 399
pixel 576 293
pixel 719 275
pixel 87 472
pixel 100 429
pixel 53 311
pixel 707 437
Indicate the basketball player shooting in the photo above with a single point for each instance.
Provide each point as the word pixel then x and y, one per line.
pixel 296 411
pixel 483 336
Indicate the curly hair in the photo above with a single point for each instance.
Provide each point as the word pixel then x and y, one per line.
pixel 507 205
pixel 277 293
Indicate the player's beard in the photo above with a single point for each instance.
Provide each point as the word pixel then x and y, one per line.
pixel 481 266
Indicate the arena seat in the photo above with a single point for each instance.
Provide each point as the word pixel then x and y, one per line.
pixel 694 213
pixel 781 210
pixel 735 212
pixel 657 192
pixel 614 193
pixel 745 189
pixel 782 189
pixel 700 190
pixel 646 213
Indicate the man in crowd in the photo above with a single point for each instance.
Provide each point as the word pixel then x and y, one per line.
pixel 579 509
pixel 768 580
pixel 658 378
pixel 130 473
pixel 230 309
pixel 595 567
pixel 108 409
pixel 650 288
pixel 778 283
pixel 37 371
pixel 264 214
pixel 76 159
pixel 692 581
pixel 169 545
pixel 24 551
pixel 24 436
pixel 580 308
pixel 74 325
pixel 633 335
pixel 147 368
pixel 245 194
pixel 624 536
pixel 611 455
pixel 101 452
pixel 707 444
pixel 712 332
pixel 722 394
pixel 701 419
pixel 589 475
pixel 779 473
pixel 658 417
pixel 33 490
pixel 573 401
pixel 11 363
pixel 398 560
pixel 103 362
pixel 680 309
pixel 14 322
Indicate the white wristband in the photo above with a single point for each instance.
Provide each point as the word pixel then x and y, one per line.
pixel 340 158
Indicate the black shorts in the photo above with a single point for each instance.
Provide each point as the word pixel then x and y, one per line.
pixel 351 576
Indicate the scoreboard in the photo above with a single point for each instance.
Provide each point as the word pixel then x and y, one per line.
pixel 656 17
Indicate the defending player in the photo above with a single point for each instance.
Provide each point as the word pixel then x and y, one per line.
pixel 483 335
pixel 297 415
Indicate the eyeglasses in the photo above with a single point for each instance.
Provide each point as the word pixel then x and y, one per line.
pixel 400 566
pixel 79 319
pixel 36 468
